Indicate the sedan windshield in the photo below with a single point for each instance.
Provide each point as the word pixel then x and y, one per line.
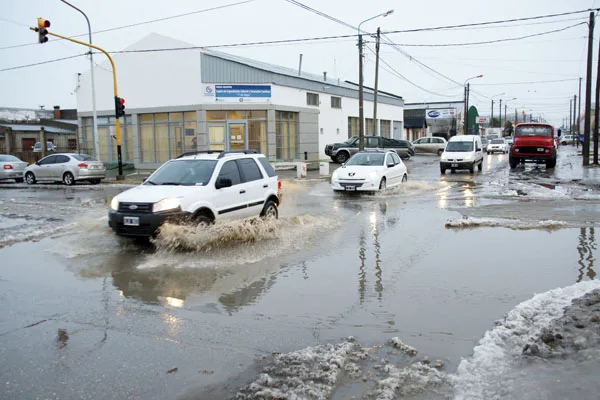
pixel 183 172
pixel 9 158
pixel 367 159
pixel 498 141
pixel 459 146
pixel 83 157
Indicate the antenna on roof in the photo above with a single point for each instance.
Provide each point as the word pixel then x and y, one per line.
pixel 300 66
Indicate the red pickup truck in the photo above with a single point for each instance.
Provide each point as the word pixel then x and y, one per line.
pixel 533 142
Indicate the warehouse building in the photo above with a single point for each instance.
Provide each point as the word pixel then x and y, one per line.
pixel 180 99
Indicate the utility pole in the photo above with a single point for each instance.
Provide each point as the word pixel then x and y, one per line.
pixel 516 117
pixel 361 115
pixel 571 116
pixel 375 125
pixel 596 112
pixel 588 94
pixel 579 108
pixel 500 116
pixel 492 116
pixel 575 113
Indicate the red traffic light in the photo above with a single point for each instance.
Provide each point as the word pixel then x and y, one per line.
pixel 119 106
pixel 122 101
pixel 43 23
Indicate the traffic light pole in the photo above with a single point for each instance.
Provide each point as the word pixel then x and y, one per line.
pixel 114 72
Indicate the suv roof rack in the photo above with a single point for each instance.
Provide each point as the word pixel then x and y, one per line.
pixel 194 153
pixel 224 153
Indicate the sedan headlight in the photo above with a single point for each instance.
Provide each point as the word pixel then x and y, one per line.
pixel 168 204
pixel 114 203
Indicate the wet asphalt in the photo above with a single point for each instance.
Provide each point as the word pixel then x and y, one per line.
pixel 84 314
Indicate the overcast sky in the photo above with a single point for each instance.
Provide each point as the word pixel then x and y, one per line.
pixel 558 58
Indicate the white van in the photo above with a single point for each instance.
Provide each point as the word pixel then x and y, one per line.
pixel 462 152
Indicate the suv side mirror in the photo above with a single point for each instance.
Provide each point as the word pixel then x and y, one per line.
pixel 223 182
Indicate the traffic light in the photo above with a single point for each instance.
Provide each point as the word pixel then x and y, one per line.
pixel 119 106
pixel 42 30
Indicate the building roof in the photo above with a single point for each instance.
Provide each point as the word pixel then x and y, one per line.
pixel 36 128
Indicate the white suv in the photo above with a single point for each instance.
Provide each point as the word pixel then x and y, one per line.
pixel 203 187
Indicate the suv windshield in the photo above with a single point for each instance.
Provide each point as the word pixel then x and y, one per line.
pixel 352 140
pixel 534 131
pixel 497 141
pixel 459 146
pixel 368 159
pixel 183 172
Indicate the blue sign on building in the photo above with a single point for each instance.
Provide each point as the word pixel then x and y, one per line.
pixel 250 91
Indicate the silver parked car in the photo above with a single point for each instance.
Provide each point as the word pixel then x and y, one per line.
pixel 430 144
pixel 66 168
pixel 11 167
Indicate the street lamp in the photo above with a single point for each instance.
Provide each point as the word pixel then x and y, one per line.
pixel 361 116
pixel 466 99
pixel 492 114
pixel 94 116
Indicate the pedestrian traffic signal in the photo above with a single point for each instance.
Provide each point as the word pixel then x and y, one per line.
pixel 42 29
pixel 119 106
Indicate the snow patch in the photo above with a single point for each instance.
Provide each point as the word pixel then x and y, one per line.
pixel 473 222
pixel 311 373
pixel 399 344
pixel 483 375
pixel 408 381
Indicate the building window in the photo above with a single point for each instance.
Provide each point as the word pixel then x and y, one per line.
pixel 336 102
pixel 385 128
pixel 353 127
pixel 286 138
pixel 369 126
pixel 312 99
pixel 164 136
pixel 107 150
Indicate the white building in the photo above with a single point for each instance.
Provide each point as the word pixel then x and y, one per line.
pixel 180 99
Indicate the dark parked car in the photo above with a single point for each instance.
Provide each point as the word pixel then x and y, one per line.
pixel 341 152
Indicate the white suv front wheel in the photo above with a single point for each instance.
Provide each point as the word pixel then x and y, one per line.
pixel 270 210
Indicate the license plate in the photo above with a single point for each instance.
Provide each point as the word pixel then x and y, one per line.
pixel 453 165
pixel 131 221
pixel 350 188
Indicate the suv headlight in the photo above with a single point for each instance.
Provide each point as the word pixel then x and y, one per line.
pixel 168 204
pixel 114 203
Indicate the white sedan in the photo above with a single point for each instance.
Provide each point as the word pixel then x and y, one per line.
pixel 370 171
pixel 497 146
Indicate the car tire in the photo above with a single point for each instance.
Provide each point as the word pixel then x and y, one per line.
pixel 30 178
pixel 563 143
pixel 472 168
pixel 19 180
pixel 442 171
pixel 480 166
pixel 203 220
pixel 342 157
pixel 551 163
pixel 270 210
pixel 68 179
pixel 513 162
pixel 95 181
pixel 382 184
pixel 404 178
pixel 439 152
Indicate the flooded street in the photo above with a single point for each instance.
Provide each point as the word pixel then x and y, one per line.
pixel 374 296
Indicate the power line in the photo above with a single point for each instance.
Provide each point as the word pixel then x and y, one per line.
pixel 145 22
pixel 43 62
pixel 488 41
pixel 527 83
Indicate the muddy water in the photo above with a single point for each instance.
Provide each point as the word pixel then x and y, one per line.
pixel 200 313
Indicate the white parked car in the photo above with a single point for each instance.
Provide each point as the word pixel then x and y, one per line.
pixel 37 148
pixel 370 171
pixel 66 168
pixel 497 146
pixel 200 187
pixel 430 145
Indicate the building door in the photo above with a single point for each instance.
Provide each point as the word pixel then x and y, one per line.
pixel 216 137
pixel 27 144
pixel 237 136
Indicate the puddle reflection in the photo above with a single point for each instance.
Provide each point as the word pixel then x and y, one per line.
pixel 586 248
pixel 374 232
